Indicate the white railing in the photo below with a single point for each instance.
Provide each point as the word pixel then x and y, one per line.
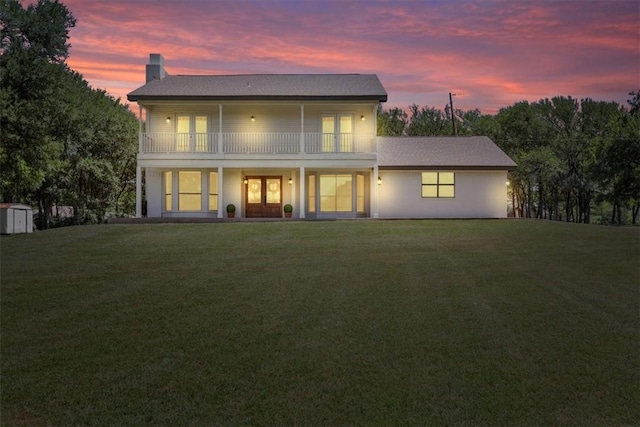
pixel 316 143
pixel 169 142
pixel 257 143
pixel 265 143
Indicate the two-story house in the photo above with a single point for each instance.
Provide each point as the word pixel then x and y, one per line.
pixel 262 141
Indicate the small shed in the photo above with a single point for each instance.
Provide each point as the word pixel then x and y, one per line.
pixel 15 218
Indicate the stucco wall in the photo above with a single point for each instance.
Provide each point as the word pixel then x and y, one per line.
pixel 478 194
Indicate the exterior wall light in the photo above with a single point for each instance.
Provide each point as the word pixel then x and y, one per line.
pixel 245 180
pixel 362 118
pixel 290 180
pixel 253 118
pixel 379 180
pixel 168 120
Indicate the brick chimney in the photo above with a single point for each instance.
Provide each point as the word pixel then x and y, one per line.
pixel 155 67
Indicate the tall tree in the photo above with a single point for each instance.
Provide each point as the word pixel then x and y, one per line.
pixel 62 142
pixel 34 46
pixel 426 121
pixel 391 122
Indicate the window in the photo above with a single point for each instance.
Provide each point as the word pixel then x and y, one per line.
pixel 201 133
pixel 189 191
pixel 438 184
pixel 360 193
pixel 183 133
pixel 273 190
pixel 311 191
pixel 328 133
pixel 337 133
pixel 192 128
pixel 213 191
pixel 336 193
pixel 346 134
pixel 168 193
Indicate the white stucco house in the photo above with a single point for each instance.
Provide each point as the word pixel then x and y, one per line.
pixel 260 142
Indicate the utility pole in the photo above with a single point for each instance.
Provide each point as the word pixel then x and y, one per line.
pixel 453 120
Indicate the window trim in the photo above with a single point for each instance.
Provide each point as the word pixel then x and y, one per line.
pixel 338 140
pixel 335 196
pixel 181 193
pixel 213 192
pixel 438 185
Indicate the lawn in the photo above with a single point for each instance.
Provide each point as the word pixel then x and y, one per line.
pixel 322 323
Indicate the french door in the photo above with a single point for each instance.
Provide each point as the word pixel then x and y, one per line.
pixel 263 198
pixel 191 133
pixel 337 133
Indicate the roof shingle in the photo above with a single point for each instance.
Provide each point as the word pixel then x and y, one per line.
pixel 473 152
pixel 264 86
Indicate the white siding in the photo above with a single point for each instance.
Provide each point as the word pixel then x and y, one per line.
pixel 285 117
pixel 478 194
pixel 153 181
pixel 232 192
pixel 268 119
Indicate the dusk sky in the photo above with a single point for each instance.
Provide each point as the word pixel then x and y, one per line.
pixel 491 53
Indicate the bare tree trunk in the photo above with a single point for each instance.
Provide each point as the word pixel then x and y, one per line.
pixel 541 211
pixel 529 200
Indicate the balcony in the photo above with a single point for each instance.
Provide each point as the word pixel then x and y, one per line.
pixel 256 143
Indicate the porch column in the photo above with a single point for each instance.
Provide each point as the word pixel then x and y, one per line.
pixel 140 129
pixel 221 205
pixel 374 192
pixel 303 197
pixel 138 192
pixel 220 146
pixel 301 128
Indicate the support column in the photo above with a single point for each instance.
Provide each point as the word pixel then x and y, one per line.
pixel 303 196
pixel 301 129
pixel 140 129
pixel 374 193
pixel 138 192
pixel 221 205
pixel 220 145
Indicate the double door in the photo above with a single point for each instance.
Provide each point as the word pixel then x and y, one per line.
pixel 263 198
pixel 191 133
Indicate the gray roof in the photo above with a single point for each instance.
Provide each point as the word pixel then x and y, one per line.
pixel 263 87
pixel 454 152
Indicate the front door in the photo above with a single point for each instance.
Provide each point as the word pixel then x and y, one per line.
pixel 264 197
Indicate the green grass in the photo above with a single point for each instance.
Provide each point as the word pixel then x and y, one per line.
pixel 322 323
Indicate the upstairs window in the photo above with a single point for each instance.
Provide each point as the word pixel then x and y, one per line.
pixel 438 184
pixel 337 133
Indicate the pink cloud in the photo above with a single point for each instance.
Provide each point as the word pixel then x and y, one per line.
pixel 496 52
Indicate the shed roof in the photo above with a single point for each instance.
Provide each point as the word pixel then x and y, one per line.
pixel 263 87
pixel 15 206
pixel 455 152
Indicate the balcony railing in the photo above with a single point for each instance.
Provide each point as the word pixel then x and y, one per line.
pixel 256 143
pixel 162 142
pixel 315 143
pixel 261 143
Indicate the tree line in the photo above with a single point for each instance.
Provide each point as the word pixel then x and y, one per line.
pixel 65 143
pixel 578 160
pixel 62 142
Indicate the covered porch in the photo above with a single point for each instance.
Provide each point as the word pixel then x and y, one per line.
pixel 205 191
